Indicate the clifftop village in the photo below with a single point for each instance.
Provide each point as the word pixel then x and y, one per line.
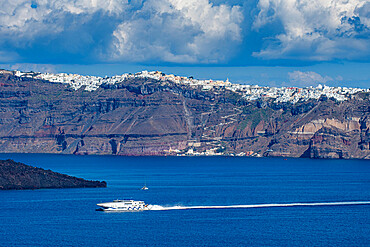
pixel 249 92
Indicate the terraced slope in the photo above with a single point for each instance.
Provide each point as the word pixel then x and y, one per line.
pixel 149 117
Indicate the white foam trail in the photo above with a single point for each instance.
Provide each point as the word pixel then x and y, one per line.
pixel 298 204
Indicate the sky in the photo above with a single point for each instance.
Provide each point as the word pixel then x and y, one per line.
pixel 264 42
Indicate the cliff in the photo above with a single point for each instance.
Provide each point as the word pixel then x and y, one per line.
pixel 144 116
pixel 18 176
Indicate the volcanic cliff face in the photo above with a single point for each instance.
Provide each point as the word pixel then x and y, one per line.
pixel 143 116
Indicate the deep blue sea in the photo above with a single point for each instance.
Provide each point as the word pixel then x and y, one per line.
pixel 67 217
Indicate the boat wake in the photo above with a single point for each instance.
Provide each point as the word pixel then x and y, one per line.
pixel 158 207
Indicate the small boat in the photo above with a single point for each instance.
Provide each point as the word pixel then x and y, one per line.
pixel 123 205
pixel 144 187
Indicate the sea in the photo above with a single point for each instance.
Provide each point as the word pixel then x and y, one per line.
pixel 199 201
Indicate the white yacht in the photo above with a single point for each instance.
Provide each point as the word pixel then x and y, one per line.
pixel 123 205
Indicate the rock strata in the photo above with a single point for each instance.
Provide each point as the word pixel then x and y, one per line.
pixel 18 176
pixel 144 116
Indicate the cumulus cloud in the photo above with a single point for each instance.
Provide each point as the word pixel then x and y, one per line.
pixel 307 78
pixel 315 30
pixel 28 18
pixel 42 30
pixel 179 31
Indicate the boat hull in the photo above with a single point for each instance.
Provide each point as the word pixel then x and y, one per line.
pixel 122 206
pixel 120 210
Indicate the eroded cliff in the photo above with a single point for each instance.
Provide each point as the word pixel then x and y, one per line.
pixel 148 117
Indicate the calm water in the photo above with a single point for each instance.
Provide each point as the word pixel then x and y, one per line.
pixel 67 217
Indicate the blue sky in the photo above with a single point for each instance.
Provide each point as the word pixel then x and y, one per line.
pixel 265 42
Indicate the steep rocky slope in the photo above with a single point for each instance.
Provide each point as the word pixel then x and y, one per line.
pixel 148 117
pixel 18 176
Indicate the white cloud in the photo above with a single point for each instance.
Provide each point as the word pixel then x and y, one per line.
pixel 24 18
pixel 179 31
pixel 62 26
pixel 315 29
pixel 161 30
pixel 307 78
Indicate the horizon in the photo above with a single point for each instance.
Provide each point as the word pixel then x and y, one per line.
pixel 270 42
pixel 181 74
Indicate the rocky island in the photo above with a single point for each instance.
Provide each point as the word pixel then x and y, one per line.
pixel 18 176
pixel 152 113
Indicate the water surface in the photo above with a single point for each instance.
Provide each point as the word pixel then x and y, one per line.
pixel 67 217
